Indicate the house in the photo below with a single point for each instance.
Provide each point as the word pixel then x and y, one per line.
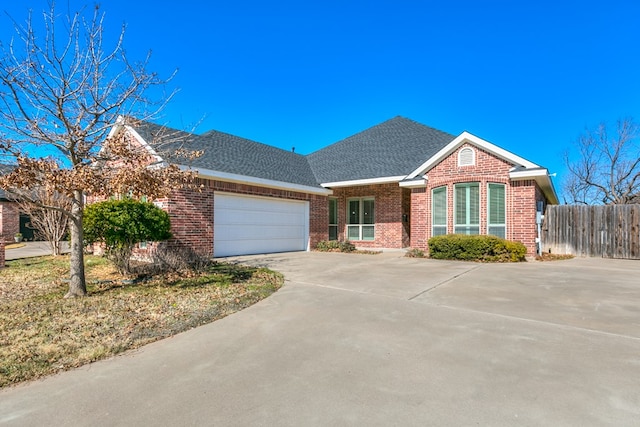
pixel 9 218
pixel 393 185
pixel 9 211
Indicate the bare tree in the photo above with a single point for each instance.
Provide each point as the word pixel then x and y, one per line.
pixel 604 168
pixel 60 95
pixel 50 224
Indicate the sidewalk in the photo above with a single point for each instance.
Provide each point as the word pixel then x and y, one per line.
pixel 32 249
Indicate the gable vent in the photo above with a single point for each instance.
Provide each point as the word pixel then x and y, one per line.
pixel 466 157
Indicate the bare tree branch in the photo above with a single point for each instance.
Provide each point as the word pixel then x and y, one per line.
pixel 605 169
pixel 60 96
pixel 49 217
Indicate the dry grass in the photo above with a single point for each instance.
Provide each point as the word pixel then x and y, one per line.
pixel 552 257
pixel 15 245
pixel 41 333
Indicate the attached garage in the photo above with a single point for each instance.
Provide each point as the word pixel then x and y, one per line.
pixel 245 225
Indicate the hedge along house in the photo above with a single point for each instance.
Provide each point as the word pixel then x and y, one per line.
pixel 391 186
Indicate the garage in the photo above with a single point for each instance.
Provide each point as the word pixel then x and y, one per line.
pixel 245 225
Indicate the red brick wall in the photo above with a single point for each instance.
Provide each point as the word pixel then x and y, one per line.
pixel 521 197
pixel 420 217
pixel 523 219
pixel 2 254
pixel 318 219
pixel 192 215
pixel 391 202
pixel 9 220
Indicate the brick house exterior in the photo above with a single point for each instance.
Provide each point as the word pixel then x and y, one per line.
pixel 374 188
pixel 9 219
pixel 521 199
pixel 192 212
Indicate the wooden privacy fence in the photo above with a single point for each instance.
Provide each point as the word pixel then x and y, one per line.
pixel 611 231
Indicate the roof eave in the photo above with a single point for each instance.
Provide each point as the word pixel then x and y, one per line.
pixel 120 126
pixel 542 178
pixel 366 181
pixel 414 183
pixel 466 137
pixel 260 182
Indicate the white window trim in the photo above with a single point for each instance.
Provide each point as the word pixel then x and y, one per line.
pixel 335 200
pixel 360 225
pixel 489 208
pixel 455 206
pixel 473 157
pixel 446 210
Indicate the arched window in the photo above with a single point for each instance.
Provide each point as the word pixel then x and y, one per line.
pixel 466 157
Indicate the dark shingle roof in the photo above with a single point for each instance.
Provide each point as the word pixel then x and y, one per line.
pixel 395 147
pixel 223 152
pixel 392 148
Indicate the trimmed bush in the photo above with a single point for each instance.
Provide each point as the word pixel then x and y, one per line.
pixel 476 248
pixel 335 246
pixel 120 224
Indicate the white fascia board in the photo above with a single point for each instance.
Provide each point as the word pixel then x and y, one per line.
pixel 528 174
pixel 368 181
pixel 144 143
pixel 116 128
pixel 415 183
pixel 261 182
pixel 473 140
pixel 119 126
pixel 542 178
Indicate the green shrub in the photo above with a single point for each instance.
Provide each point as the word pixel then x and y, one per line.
pixel 335 246
pixel 476 248
pixel 120 224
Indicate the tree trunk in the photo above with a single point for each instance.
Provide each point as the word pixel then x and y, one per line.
pixel 77 283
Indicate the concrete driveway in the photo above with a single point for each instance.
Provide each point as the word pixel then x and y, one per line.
pixel 380 340
pixel 32 249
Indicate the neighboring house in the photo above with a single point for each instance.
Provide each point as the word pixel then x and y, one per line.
pixel 391 186
pixel 9 211
pixel 9 218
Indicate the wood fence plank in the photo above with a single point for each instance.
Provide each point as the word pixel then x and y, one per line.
pixel 611 231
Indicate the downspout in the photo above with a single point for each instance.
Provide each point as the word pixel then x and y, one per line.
pixel 539 218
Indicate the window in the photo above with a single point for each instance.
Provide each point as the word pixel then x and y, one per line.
pixel 466 157
pixel 361 219
pixel 467 208
pixel 439 211
pixel 496 213
pixel 333 219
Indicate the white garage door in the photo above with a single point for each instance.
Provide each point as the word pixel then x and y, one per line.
pixel 244 225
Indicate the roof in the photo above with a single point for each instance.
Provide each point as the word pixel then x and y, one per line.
pixel 398 150
pixel 393 148
pixel 222 152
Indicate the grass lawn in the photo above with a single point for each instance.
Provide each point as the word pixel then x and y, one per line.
pixel 41 333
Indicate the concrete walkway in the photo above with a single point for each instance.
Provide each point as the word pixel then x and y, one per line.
pixel 32 249
pixel 377 341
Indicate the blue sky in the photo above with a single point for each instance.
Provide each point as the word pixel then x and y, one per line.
pixel 527 76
